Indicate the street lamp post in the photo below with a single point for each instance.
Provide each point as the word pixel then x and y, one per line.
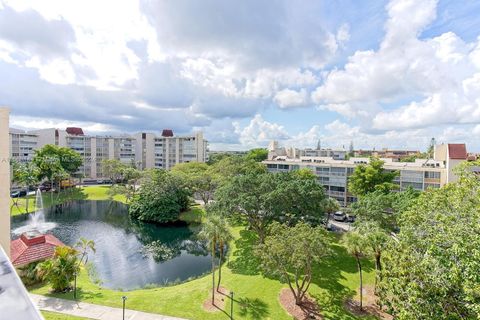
pixel 75 285
pixel 231 305
pixel 124 298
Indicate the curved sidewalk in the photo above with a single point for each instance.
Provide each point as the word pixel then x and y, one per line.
pixel 92 311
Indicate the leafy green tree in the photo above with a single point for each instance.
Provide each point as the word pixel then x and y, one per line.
pixel 330 205
pixel 263 198
pixel 257 155
pixel 232 166
pixel 371 177
pixel 59 270
pixel 26 175
pixel 355 244
pixel 384 208
pixel 199 177
pixel 113 169
pixel 431 269
pixel 291 252
pixel 161 198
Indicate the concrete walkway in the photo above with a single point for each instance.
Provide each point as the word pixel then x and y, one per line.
pixel 92 311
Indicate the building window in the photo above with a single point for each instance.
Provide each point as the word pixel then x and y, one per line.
pixel 432 174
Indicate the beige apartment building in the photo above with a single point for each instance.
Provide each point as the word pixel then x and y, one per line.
pixel 144 150
pixel 167 150
pixel 333 174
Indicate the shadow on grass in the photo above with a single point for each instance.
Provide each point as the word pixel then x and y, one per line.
pixel 243 260
pixel 328 276
pixel 253 308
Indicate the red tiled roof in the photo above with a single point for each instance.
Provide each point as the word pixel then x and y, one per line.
pixel 75 131
pixel 25 250
pixel 457 151
pixel 167 133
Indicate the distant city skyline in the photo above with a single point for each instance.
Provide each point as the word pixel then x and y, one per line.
pixel 384 74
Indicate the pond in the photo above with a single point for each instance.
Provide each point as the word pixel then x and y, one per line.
pixel 130 254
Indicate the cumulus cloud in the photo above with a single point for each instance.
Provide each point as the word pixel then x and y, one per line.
pixel 32 33
pixel 259 132
pixel 288 98
pixel 439 74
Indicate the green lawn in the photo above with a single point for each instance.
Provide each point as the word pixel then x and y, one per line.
pixel 58 316
pixel 80 193
pixel 256 297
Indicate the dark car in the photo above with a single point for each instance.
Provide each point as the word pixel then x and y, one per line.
pixel 45 187
pixel 351 218
pixel 339 216
pixel 18 194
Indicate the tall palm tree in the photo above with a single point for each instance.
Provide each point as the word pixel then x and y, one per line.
pixel 223 237
pixel 376 240
pixel 355 243
pixel 211 230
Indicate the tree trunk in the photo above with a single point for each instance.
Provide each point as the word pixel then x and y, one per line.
pixel 26 201
pixel 213 273
pixel 378 269
pixel 220 267
pixel 361 282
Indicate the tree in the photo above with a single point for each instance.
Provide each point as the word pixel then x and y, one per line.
pixel 355 243
pixel 59 270
pixel 26 175
pixel 371 177
pixel 376 240
pixel 257 155
pixel 113 169
pixel 215 230
pixel 199 177
pixel 232 166
pixel 383 208
pixel 161 198
pixel 56 163
pixel 330 205
pixel 431 270
pixel 83 246
pixel 290 253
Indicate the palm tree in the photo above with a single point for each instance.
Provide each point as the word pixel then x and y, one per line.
pixel 59 270
pixel 376 240
pixel 355 242
pixel 211 230
pixel 83 246
pixel 223 237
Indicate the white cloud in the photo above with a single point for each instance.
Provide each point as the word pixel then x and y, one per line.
pixel 343 34
pixel 259 132
pixel 288 98
pixel 437 73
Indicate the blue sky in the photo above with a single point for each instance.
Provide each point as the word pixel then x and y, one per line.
pixel 378 73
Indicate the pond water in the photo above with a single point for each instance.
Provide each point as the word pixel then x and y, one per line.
pixel 130 254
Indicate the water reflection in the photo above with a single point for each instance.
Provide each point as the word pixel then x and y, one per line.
pixel 130 254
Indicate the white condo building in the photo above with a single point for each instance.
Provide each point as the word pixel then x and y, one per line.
pixel 333 173
pixel 144 150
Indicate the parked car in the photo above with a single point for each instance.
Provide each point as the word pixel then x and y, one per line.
pixel 46 186
pixel 18 194
pixel 351 218
pixel 100 181
pixel 339 216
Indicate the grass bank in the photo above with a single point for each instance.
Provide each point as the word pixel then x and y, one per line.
pixel 256 297
pixel 79 193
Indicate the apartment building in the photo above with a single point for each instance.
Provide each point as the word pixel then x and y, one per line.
pixel 167 150
pixel 333 174
pixel 274 150
pixel 144 150
pixel 396 155
pixel 22 145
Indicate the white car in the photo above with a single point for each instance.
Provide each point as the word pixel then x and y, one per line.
pixel 339 216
